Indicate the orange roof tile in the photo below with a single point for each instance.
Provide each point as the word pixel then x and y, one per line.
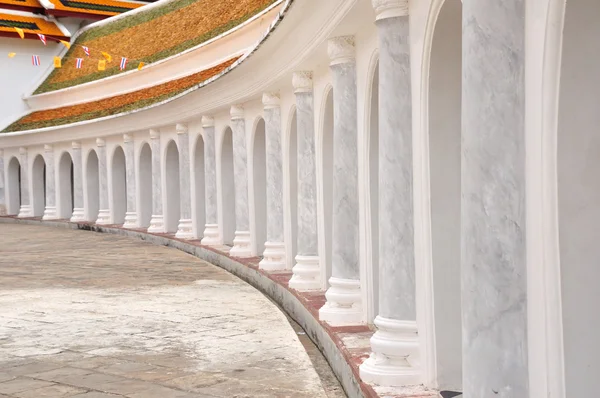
pixel 31 24
pixel 25 5
pixel 98 8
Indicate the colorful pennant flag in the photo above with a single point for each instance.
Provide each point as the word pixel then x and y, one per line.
pixel 106 55
pixel 20 32
pixel 140 65
pixel 57 62
pixel 66 44
pixel 86 50
pixel 102 64
pixel 78 63
pixel 35 60
pixel 10 55
pixel 123 63
pixel 42 38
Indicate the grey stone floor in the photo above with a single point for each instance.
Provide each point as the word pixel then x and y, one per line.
pixel 90 315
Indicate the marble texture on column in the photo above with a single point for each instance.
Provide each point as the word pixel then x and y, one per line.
pixel 157 223
pixel 307 271
pixel 78 211
pixel 211 229
pixel 184 229
pixel 2 185
pixel 395 347
pixel 494 269
pixel 274 254
pixel 241 241
pixel 131 216
pixel 50 210
pixel 104 213
pixel 25 210
pixel 343 304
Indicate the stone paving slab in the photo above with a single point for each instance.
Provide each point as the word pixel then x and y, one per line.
pixel 93 315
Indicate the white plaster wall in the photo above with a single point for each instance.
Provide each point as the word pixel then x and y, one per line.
pixel 91 182
pixel 170 165
pixel 64 184
pixel 38 185
pixel 290 182
pixel 258 186
pixel 117 185
pixel 225 184
pixel 371 274
pixel 144 183
pixel 198 191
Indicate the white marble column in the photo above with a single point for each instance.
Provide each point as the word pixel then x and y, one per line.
pixel 50 210
pixel 493 230
pixel 2 185
pixel 184 229
pixel 307 271
pixel 394 360
pixel 344 306
pixel 104 213
pixel 25 210
pixel 131 216
pixel 274 254
pixel 241 241
pixel 78 212
pixel 157 222
pixel 211 229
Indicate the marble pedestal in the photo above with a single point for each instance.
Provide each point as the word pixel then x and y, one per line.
pixel 2 210
pixel 185 229
pixel 50 213
pixel 343 306
pixel 306 274
pixel 25 211
pixel 78 215
pixel 241 245
pixel 394 360
pixel 273 257
pixel 131 220
pixel 103 217
pixel 157 224
pixel 211 235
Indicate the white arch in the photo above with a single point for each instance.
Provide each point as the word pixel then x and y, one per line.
pixel 257 169
pixel 38 185
pixel 65 186
pixel 226 186
pixel 198 178
pixel 144 184
pixel 171 186
pixel 92 186
pixel 290 185
pixel 13 185
pixel 118 191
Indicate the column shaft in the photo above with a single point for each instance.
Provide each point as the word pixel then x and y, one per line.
pixel 211 229
pixel 25 210
pixel 157 224
pixel 78 212
pixel 274 254
pixel 184 229
pixel 104 213
pixel 2 185
pixel 306 272
pixel 50 210
pixel 494 285
pixel 131 216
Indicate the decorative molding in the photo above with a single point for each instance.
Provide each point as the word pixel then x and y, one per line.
pixel 100 142
pixel 341 50
pixel 23 150
pixel 390 8
pixel 48 148
pixel 302 81
pixel 1 152
pixel 181 128
pixel 154 134
pixel 237 111
pixel 127 138
pixel 76 145
pixel 271 100
pixel 208 121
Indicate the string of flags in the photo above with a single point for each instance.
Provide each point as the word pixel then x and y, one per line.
pixel 106 57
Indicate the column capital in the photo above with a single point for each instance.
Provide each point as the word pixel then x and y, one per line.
pixel 154 134
pixel 23 150
pixel 127 138
pixel 48 148
pixel 341 50
pixel 390 8
pixel 181 128
pixel 76 145
pixel 208 121
pixel 302 81
pixel 237 111
pixel 100 142
pixel 1 152
pixel 271 100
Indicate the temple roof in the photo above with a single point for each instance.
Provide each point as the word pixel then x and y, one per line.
pixel 22 5
pixel 118 104
pixel 32 24
pixel 151 35
pixel 96 9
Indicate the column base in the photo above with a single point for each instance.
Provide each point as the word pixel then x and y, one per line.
pixel 50 213
pixel 211 235
pixel 78 215
pixel 25 211
pixel 131 220
pixel 306 273
pixel 241 245
pixel 343 306
pixel 273 257
pixel 185 229
pixel 103 217
pixel 2 210
pixel 395 360
pixel 157 224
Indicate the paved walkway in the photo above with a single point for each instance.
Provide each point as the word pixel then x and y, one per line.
pixel 92 315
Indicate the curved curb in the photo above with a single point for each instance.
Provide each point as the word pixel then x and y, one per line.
pixel 247 270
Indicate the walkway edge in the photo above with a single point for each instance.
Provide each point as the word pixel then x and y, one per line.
pixel 259 280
